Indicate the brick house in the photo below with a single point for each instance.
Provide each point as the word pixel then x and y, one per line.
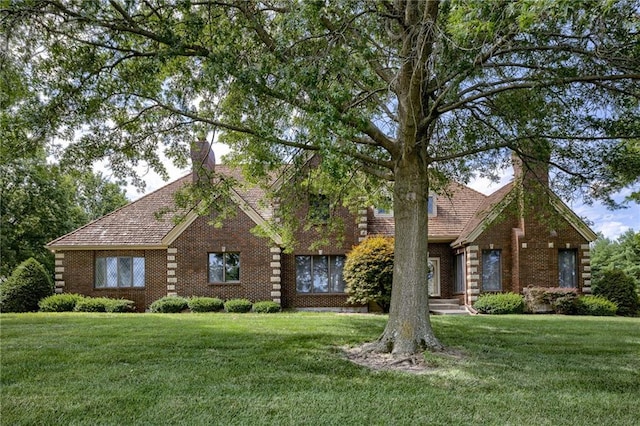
pixel 477 244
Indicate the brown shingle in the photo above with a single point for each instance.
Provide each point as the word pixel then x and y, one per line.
pixel 454 209
pixel 137 225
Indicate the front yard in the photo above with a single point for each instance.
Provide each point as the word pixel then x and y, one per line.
pixel 289 369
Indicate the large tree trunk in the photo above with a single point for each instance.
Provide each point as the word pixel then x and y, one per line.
pixel 409 330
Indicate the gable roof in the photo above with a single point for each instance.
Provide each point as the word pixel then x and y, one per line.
pixel 135 226
pixel 495 204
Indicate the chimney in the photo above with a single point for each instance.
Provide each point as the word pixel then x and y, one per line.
pixel 531 165
pixel 203 160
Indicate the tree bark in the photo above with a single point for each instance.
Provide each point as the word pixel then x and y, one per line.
pixel 408 330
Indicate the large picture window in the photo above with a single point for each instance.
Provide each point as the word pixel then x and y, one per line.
pixel 319 274
pixel 113 272
pixel 224 267
pixel 567 268
pixel 491 270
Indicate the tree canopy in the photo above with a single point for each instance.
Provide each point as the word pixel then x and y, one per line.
pixel 409 92
pixel 622 253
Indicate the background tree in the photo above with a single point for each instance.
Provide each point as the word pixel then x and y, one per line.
pixel 622 253
pixel 40 203
pixel 410 92
pixel 368 272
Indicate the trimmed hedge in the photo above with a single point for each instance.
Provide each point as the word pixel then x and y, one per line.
pixel 65 302
pixel 92 304
pixel 266 307
pixel 120 305
pixel 596 306
pixel 27 285
pixel 238 305
pixel 169 305
pixel 500 303
pixel 620 288
pixel 205 304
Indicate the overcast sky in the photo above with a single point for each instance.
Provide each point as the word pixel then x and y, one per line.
pixel 602 220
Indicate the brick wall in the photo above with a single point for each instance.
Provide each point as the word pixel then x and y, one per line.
pixel 79 271
pixel 199 239
pixel 530 255
pixel 304 240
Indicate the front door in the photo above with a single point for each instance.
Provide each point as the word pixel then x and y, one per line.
pixel 434 277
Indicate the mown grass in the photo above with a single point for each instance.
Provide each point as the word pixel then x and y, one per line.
pixel 114 369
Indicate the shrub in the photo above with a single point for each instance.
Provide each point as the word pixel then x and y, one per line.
pixel 92 304
pixel 500 303
pixel 169 304
pixel 566 305
pixel 205 304
pixel 238 305
pixel 618 287
pixel 120 305
pixel 596 305
pixel 266 307
pixel 543 299
pixel 65 302
pixel 552 294
pixel 368 272
pixel 22 291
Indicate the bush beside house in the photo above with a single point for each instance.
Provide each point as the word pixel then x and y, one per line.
pixel 64 302
pixel 238 305
pixel 266 307
pixel 27 285
pixel 368 272
pixel 500 304
pixel 205 304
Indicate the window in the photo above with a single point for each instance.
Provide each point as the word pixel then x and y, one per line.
pixel 491 271
pixel 431 206
pixel 382 212
pixel 459 274
pixel 113 272
pixel 319 207
pixel 319 274
pixel 224 267
pixel 567 268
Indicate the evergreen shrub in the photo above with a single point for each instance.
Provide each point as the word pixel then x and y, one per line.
pixel 205 304
pixel 266 307
pixel 92 304
pixel 620 288
pixel 368 272
pixel 500 303
pixel 120 305
pixel 64 302
pixel 238 305
pixel 27 285
pixel 169 305
pixel 596 306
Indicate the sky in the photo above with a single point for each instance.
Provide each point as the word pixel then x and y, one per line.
pixel 610 223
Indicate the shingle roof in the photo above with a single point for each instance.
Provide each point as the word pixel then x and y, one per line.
pixel 137 225
pixel 454 209
pixel 489 206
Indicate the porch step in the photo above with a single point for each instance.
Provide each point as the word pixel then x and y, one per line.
pixel 446 307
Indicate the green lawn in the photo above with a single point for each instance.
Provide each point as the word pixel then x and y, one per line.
pixel 113 369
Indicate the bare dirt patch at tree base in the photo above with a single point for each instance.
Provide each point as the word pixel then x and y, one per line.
pixel 414 364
